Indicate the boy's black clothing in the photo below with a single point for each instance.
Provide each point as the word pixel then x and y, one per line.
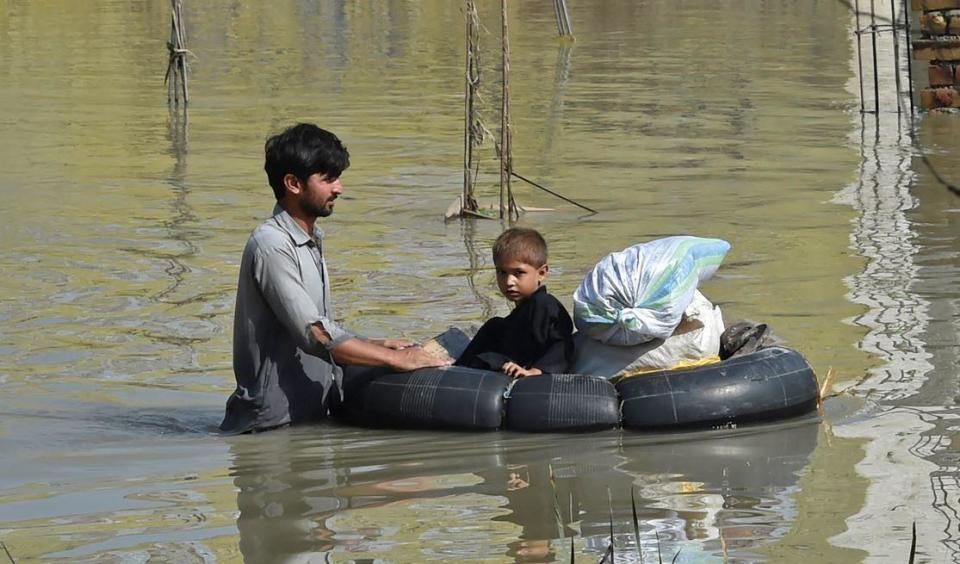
pixel 538 333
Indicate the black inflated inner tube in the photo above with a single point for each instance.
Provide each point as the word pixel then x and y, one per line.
pixel 769 384
pixel 451 398
pixel 766 385
pixel 562 402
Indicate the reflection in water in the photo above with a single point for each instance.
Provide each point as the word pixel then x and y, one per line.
pixel 554 123
pixel 183 216
pixel 705 487
pixel 907 435
pixel 937 221
pixel 897 315
pixel 468 229
pixel 401 495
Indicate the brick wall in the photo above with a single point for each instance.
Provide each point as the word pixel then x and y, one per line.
pixel 940 45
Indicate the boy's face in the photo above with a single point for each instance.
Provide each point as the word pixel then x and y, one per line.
pixel 518 280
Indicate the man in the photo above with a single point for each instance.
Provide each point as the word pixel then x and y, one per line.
pixel 287 350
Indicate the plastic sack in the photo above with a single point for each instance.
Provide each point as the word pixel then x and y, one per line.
pixel 697 337
pixel 640 293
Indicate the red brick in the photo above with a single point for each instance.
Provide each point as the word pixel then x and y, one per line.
pixel 931 98
pixel 936 49
pixel 942 75
pixel 933 23
pixel 953 23
pixel 934 4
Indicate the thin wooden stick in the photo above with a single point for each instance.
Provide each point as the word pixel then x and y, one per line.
pixel 181 27
pixel 549 191
pixel 472 81
pixel 556 11
pixel 567 26
pixel 12 561
pixel 176 75
pixel 476 214
pixel 825 387
pixel 563 18
pixel 170 77
pixel 507 204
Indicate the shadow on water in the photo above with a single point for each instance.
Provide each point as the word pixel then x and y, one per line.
pixel 554 123
pixel 302 491
pixel 153 421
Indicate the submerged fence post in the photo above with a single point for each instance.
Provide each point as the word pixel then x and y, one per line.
pixel 471 129
pixel 906 25
pixel 913 51
pixel 176 76
pixel 856 11
pixel 896 51
pixel 563 18
pixel 876 71
pixel 507 205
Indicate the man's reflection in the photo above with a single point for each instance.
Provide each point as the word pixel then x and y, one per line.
pixel 280 491
pixel 405 494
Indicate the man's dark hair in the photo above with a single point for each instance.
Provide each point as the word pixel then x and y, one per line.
pixel 302 150
pixel 522 244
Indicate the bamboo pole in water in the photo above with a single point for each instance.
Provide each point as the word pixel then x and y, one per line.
pixel 176 77
pixel 563 18
pixel 556 12
pixel 566 17
pixel 471 128
pixel 507 205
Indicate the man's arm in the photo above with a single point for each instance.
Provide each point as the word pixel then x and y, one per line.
pixel 361 352
pixel 278 276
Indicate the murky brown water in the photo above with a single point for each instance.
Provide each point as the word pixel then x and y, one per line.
pixel 121 234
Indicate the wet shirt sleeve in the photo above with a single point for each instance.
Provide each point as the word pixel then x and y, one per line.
pixel 278 272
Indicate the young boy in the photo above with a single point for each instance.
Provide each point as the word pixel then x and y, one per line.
pixel 537 337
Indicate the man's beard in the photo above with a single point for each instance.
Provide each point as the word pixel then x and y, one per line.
pixel 309 208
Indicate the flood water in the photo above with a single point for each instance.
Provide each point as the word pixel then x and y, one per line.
pixel 122 228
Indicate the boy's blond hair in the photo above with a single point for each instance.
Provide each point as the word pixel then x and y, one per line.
pixel 522 244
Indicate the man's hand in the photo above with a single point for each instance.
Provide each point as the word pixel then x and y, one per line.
pixel 395 344
pixel 414 357
pixel 514 370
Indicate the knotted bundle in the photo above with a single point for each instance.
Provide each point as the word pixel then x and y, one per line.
pixel 640 293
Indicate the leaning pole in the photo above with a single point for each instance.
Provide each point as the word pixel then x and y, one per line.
pixel 507 205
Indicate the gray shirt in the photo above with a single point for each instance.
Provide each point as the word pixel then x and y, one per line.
pixel 284 375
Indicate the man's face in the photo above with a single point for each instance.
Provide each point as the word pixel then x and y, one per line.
pixel 518 280
pixel 318 193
